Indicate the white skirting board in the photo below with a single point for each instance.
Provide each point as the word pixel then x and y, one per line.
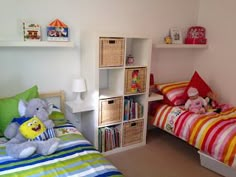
pixel 216 165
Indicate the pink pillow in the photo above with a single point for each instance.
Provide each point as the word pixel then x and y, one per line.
pixel 173 92
pixel 197 82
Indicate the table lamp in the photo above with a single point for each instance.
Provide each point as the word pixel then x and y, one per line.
pixel 78 86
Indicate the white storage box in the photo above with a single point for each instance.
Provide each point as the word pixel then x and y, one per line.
pixel 216 165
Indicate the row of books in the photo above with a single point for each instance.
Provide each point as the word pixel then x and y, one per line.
pixel 108 138
pixel 132 109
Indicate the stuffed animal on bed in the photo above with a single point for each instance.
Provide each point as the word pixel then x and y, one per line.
pixel 211 100
pixel 33 132
pixel 214 105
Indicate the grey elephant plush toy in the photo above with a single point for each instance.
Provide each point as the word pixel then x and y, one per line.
pixel 33 132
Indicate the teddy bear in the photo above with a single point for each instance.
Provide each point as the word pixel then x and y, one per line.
pixel 212 102
pixel 214 105
pixel 33 132
pixel 211 99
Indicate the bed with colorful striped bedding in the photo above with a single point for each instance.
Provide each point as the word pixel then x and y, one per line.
pixel 74 157
pixel 212 133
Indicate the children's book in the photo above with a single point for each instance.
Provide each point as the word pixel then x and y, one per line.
pixel 31 32
pixel 57 31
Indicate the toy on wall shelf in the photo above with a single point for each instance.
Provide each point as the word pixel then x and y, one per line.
pixel 57 31
pixel 31 32
pixel 168 40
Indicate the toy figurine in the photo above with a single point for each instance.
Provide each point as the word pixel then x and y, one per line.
pixel 130 60
pixel 135 86
pixel 168 40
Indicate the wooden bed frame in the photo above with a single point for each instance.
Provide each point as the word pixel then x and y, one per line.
pixel 57 94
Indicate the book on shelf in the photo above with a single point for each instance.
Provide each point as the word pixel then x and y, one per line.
pixel 126 109
pixel 132 109
pixel 117 137
pixel 109 138
pixel 103 140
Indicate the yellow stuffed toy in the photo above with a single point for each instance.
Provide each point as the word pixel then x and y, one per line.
pixel 32 128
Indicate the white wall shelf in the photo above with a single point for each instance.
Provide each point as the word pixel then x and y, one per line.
pixel 180 46
pixel 35 44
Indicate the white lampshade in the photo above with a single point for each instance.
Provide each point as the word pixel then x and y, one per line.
pixel 78 85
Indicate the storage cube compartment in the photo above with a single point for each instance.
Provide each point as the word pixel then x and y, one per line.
pixel 110 110
pixel 111 52
pixel 135 80
pixel 108 138
pixel 132 132
pixel 139 49
pixel 111 81
pixel 133 107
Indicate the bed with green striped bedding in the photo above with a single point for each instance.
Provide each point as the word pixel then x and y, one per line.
pixel 74 157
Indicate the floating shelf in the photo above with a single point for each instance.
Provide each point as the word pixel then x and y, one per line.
pixel 35 44
pixel 181 46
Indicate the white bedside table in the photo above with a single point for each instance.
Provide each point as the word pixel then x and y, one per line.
pixel 77 108
pixel 155 97
pixel 79 115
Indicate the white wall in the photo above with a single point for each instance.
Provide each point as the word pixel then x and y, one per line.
pixel 217 64
pixel 53 68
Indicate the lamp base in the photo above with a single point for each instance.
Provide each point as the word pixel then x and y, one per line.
pixel 78 100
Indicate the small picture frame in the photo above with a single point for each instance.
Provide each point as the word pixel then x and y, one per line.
pixel 176 36
pixel 32 31
pixel 57 31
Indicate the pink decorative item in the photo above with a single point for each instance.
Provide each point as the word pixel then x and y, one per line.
pixel 196 35
pixel 130 60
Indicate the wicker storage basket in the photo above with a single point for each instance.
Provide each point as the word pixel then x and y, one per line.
pixel 110 110
pixel 111 52
pixel 135 80
pixel 132 132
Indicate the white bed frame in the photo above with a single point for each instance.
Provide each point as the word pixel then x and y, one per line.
pixel 212 164
pixel 216 166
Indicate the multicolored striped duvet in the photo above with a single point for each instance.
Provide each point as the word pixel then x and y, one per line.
pixel 75 157
pixel 212 133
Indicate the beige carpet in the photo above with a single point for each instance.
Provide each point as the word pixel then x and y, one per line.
pixel 163 156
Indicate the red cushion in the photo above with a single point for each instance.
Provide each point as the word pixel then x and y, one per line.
pixel 197 82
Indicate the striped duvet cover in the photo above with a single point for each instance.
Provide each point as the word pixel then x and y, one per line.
pixel 74 157
pixel 212 133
